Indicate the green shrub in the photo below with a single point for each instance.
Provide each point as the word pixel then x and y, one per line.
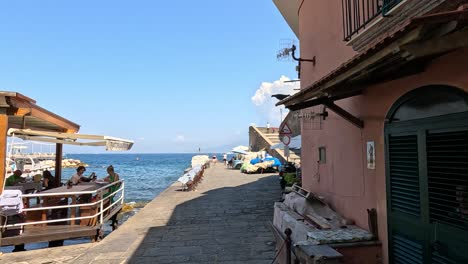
pixel 290 178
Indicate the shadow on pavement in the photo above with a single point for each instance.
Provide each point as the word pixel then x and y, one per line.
pixel 225 225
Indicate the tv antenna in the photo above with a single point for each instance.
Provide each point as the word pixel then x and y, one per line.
pixel 287 52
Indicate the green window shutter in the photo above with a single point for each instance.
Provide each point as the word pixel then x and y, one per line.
pixel 406 251
pixel 439 259
pixel 404 174
pixel 447 167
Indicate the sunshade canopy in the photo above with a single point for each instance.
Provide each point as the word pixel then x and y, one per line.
pixel 111 143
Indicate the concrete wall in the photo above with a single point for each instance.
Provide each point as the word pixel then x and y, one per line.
pixel 344 179
pixel 361 254
pixel 256 141
pixel 321 35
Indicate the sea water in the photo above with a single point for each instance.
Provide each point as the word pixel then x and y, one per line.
pixel 145 176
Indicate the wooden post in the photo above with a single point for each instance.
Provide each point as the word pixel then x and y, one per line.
pixel 288 242
pixel 58 164
pixel 3 143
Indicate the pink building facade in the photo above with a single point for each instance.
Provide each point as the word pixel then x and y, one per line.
pixel 395 87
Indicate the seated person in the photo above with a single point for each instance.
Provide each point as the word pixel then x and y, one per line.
pixel 112 177
pixel 48 181
pixel 14 179
pixel 79 177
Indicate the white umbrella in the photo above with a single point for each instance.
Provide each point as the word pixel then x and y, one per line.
pixel 244 148
pixel 239 151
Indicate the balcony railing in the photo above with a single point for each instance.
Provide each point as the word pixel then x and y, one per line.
pixel 358 14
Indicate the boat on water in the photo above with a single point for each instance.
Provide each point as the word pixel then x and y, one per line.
pixel 59 212
pixel 33 163
pixel 30 163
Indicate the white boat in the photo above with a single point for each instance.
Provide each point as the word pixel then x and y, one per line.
pixel 29 163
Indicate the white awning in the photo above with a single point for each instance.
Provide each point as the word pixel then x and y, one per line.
pixel 111 143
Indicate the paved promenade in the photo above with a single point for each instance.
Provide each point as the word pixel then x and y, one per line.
pixel 226 220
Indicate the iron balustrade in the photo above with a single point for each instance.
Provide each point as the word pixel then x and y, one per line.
pixel 358 14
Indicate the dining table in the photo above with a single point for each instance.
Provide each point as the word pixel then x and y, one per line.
pixel 26 186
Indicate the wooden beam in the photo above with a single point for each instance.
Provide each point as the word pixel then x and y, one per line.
pixel 22 112
pixel 45 115
pixel 438 45
pixel 35 234
pixel 58 164
pixel 3 142
pixel 323 100
pixel 345 114
pixel 24 107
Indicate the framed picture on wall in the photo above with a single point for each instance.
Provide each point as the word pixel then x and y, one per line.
pixel 370 155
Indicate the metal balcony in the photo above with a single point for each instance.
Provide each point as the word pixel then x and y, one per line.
pixel 359 14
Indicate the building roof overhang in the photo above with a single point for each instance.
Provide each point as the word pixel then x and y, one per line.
pixel 289 9
pixel 399 53
pixel 23 112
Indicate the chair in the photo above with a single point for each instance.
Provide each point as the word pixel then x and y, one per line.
pixel 11 208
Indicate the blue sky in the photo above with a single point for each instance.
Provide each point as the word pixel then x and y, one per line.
pixel 171 75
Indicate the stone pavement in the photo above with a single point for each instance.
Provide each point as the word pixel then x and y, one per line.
pixel 226 220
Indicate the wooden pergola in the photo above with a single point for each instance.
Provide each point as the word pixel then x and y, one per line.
pixel 21 112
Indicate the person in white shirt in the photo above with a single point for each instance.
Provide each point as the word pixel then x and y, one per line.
pixel 79 177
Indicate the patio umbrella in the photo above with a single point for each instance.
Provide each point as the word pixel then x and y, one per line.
pixel 239 151
pixel 240 147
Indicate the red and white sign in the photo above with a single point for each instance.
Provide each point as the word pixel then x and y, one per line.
pixel 286 139
pixel 285 130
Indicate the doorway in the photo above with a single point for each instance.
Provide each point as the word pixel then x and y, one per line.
pixel 426 144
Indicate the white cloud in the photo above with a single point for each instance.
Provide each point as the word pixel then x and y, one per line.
pixel 265 104
pixel 179 138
